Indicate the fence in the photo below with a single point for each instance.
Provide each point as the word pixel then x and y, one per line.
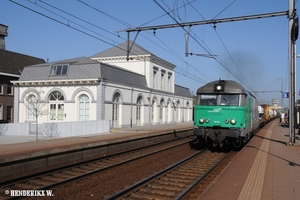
pixel 61 129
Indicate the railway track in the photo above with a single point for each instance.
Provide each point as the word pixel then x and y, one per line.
pixel 55 177
pixel 178 180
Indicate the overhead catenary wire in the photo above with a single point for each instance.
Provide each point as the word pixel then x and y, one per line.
pixel 105 30
pixel 129 25
pixel 206 49
pixel 219 37
pixel 69 22
pixel 60 22
pixel 113 42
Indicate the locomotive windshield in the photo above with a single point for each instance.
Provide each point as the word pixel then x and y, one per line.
pixel 218 99
pixel 207 99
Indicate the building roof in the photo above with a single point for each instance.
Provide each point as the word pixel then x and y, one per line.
pixel 182 91
pixel 83 68
pixel 117 74
pixel 121 50
pixel 136 50
pixel 13 63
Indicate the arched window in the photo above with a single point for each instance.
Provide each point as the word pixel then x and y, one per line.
pixel 187 111
pixel 154 118
pixel 178 111
pixel 169 116
pixel 139 110
pixel 56 96
pixel 84 107
pixel 116 102
pixel 56 106
pixel 31 107
pixel 161 111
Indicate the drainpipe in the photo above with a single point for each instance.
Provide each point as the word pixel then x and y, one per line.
pixel 149 100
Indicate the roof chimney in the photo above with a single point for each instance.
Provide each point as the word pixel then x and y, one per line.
pixel 3 34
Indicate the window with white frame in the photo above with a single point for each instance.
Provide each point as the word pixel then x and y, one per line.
pixel 138 107
pixel 161 109
pixel 155 70
pixel 31 107
pixel 1 111
pixel 162 84
pixel 57 70
pixel 56 100
pixel 116 102
pixel 10 89
pixel 84 107
pixel 170 82
pixel 153 110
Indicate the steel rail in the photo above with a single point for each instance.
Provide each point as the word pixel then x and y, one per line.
pixel 34 176
pixel 140 183
pixel 191 186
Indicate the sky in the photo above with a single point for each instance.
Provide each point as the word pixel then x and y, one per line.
pixel 251 52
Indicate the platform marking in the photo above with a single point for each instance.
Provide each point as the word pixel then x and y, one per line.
pixel 253 186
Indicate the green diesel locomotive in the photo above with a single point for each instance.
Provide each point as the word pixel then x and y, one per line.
pixel 225 113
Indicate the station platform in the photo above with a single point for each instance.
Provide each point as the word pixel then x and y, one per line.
pixel 115 132
pixel 18 153
pixel 267 168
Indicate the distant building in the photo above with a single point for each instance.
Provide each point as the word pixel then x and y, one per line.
pixel 3 34
pixel 106 86
pixel 11 66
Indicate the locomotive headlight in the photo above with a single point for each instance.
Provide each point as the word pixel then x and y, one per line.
pixel 207 120
pixel 233 121
pixel 201 120
pixel 227 121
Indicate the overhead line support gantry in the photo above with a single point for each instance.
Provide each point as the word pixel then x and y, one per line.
pixel 204 22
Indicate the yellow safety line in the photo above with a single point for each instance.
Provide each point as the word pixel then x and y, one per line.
pixel 253 186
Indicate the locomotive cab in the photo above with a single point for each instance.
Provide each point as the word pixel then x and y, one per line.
pixel 222 113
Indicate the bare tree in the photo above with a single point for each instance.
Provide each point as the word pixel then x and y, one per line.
pixel 36 106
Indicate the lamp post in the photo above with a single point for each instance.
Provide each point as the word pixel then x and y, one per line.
pixel 293 35
pixel 298 56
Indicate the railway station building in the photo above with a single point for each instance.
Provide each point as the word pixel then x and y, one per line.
pixel 130 92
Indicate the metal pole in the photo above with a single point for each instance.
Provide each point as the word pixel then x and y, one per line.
pixel 292 74
pixel 281 94
pixel 131 107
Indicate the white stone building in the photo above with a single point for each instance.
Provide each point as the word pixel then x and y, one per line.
pixel 140 91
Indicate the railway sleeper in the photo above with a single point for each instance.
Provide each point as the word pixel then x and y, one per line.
pixel 52 179
pixel 160 192
pixel 171 183
pixel 37 183
pixel 187 170
pixel 166 187
pixel 146 196
pixel 174 179
pixel 188 175
pixel 180 177
pixel 24 186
